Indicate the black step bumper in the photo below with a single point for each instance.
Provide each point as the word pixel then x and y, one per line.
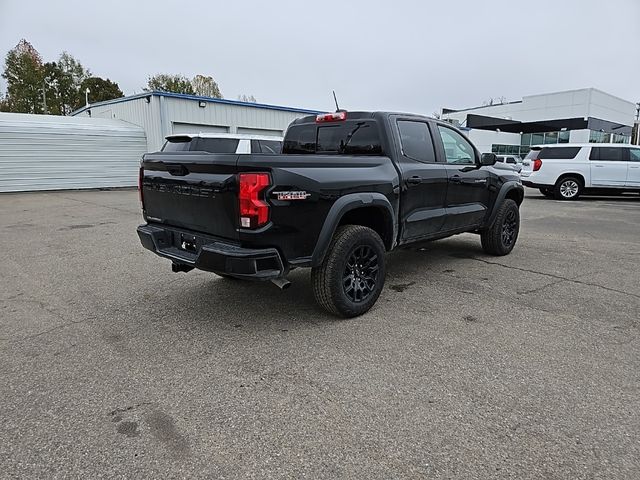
pixel 191 249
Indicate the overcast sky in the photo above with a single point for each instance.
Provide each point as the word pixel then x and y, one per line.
pixel 415 56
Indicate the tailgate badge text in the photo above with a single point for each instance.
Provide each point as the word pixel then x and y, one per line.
pixel 302 195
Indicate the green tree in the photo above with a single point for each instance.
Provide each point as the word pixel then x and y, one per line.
pixel 24 73
pixel 99 91
pixel 205 86
pixel 169 83
pixel 66 77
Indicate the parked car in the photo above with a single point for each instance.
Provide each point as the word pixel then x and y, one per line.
pixel 222 143
pixel 348 187
pixel 566 171
pixel 509 162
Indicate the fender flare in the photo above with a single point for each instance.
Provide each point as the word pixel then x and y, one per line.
pixel 339 208
pixel 504 190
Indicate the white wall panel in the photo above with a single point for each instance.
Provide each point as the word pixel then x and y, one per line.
pixel 46 152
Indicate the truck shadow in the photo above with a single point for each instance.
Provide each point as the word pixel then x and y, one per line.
pixel 259 306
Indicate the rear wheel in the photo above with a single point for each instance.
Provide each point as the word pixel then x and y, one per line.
pixel 568 188
pixel 352 275
pixel 501 236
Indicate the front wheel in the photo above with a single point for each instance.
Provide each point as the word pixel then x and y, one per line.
pixel 501 236
pixel 352 275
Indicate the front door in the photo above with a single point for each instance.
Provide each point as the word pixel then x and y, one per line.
pixel 468 185
pixel 608 167
pixel 633 175
pixel 423 180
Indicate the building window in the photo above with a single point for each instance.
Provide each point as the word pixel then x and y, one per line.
pixel 563 137
pixel 619 138
pixel 551 137
pixel 596 136
pixel 500 149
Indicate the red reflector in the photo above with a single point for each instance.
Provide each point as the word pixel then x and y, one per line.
pixel 331 117
pixel 537 163
pixel 140 194
pixel 254 211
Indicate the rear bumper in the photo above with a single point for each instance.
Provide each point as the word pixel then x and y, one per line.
pixel 211 254
pixel 528 183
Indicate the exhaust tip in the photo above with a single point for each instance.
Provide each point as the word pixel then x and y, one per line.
pixel 281 283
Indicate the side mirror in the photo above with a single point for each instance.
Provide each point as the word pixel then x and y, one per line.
pixel 488 159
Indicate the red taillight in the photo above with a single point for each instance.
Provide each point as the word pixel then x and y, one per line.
pixel 254 211
pixel 331 117
pixel 537 163
pixel 140 193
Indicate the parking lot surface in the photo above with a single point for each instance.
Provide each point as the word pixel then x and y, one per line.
pixel 469 366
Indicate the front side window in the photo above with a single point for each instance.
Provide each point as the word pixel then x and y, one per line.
pixel 634 154
pixel 457 149
pixel 416 141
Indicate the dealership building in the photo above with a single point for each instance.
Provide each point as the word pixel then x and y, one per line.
pixel 578 116
pixel 163 113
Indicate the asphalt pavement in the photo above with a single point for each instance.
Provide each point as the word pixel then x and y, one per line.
pixel 469 366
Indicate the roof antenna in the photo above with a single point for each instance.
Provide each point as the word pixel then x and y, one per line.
pixel 335 99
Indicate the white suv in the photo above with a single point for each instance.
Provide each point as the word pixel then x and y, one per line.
pixel 565 171
pixel 223 143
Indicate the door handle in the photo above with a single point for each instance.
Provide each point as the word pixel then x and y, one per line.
pixel 415 180
pixel 634 166
pixel 455 179
pixel 599 166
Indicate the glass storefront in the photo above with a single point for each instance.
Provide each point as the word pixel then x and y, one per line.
pixel 596 136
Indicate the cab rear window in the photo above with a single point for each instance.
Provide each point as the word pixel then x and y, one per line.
pixel 347 138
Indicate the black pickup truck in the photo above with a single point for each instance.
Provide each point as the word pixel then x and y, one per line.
pixel 347 187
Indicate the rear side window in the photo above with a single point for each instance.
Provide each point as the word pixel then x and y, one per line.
pixel 557 153
pixel 607 154
pixel 416 141
pixel 532 155
pixel 347 138
pixel 634 154
pixel 177 144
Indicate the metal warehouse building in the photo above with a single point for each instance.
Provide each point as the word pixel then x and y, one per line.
pixel 47 152
pixel 162 113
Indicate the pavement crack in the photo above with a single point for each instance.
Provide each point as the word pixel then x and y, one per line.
pixel 558 277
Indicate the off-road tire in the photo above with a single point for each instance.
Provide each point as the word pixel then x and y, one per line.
pixel 329 279
pixel 501 236
pixel 568 188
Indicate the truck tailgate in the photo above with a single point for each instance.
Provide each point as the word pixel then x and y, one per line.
pixel 192 190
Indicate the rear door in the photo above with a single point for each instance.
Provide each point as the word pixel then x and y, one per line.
pixel 608 167
pixel 633 173
pixel 467 199
pixel 423 179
